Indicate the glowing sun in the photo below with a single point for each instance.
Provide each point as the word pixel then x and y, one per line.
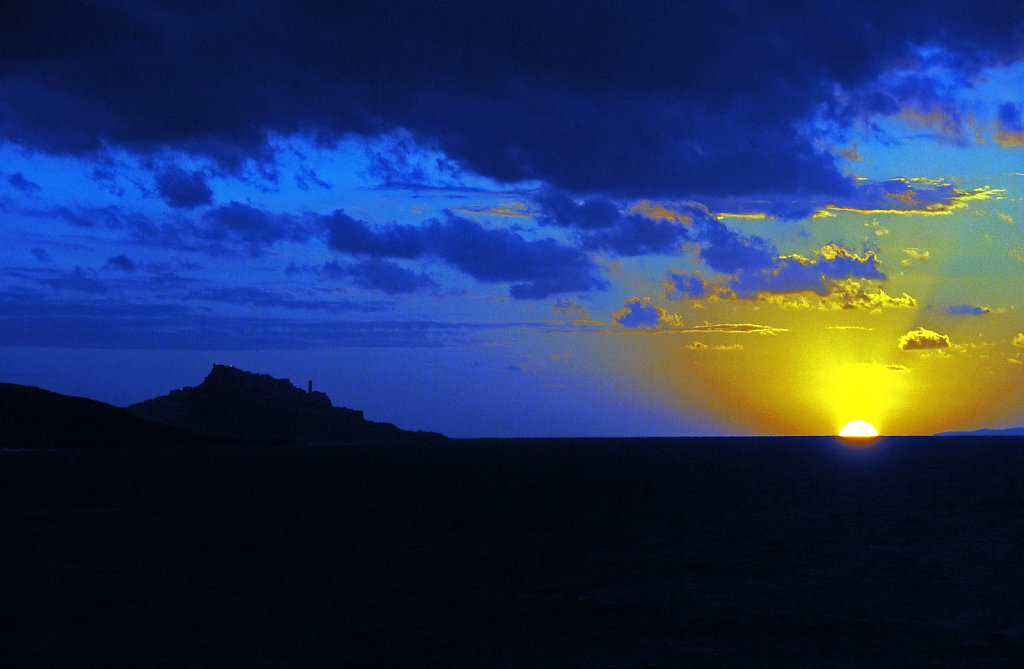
pixel 858 429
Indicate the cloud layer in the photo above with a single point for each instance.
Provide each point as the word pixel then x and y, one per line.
pixel 534 268
pixel 653 99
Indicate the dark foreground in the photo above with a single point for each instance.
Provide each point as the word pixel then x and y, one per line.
pixel 589 553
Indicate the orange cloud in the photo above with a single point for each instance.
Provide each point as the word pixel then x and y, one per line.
pixel 935 119
pixel 508 210
pixel 658 212
pixel 565 306
pixel 850 153
pixel 1007 137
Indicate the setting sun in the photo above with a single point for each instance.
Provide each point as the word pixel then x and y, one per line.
pixel 859 429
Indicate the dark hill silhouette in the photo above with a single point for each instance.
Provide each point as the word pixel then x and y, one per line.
pixel 987 432
pixel 235 404
pixel 230 406
pixel 34 418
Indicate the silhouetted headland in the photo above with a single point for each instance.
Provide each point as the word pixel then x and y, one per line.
pixel 235 404
pixel 229 406
pixel 1006 432
pixel 34 418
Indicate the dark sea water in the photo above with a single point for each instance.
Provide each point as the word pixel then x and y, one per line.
pixel 507 553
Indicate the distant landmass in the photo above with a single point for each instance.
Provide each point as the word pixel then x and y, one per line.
pixel 34 418
pixel 230 405
pixel 1007 432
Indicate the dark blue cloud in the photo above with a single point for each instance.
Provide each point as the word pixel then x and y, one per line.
pixel 967 310
pixel 107 178
pixel 82 219
pixel 398 161
pixel 680 286
pixel 41 254
pixel 388 277
pixel 922 89
pixel 76 280
pixel 349 235
pixel 1009 116
pixel 19 181
pixel 633 99
pixel 637 235
pixel 262 298
pixel 254 227
pixel 373 273
pixel 602 226
pixel 111 216
pixel 534 268
pixel 183 189
pixel 123 263
pixel 37 319
pixel 305 176
pixel 729 252
pixel 638 313
pixel 217 232
pixel 556 207
pixel 792 274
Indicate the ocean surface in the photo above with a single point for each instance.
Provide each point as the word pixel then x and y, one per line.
pixel 808 552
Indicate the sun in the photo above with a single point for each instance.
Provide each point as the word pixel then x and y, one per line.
pixel 858 429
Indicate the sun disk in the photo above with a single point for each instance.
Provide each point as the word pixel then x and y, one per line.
pixel 858 429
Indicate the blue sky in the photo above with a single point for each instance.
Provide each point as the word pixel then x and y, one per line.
pixel 523 218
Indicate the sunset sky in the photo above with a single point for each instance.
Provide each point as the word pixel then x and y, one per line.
pixel 524 219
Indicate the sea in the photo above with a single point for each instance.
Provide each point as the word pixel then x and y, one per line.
pixel 710 552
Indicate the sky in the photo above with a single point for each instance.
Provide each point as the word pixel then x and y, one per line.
pixel 524 219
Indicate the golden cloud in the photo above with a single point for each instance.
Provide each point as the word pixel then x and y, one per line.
pixel 842 295
pixel 750 216
pixel 922 339
pixel 735 328
pixel 957 199
pixel 915 256
pixel 853 294
pixel 701 346
pixel 672 324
